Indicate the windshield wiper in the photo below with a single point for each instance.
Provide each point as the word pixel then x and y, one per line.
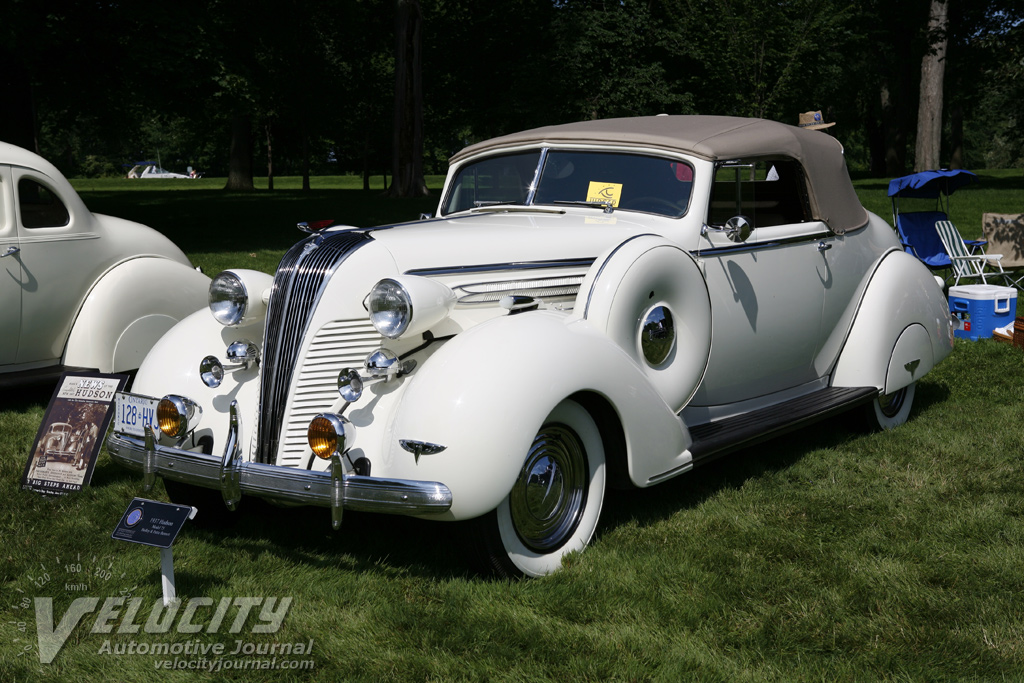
pixel 605 206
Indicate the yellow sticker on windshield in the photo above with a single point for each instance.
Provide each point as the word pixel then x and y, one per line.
pixel 608 193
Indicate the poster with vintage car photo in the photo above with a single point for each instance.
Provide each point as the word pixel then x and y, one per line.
pixel 68 442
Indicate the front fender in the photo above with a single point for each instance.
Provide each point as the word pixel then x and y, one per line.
pixel 901 330
pixel 485 393
pixel 172 367
pixel 129 308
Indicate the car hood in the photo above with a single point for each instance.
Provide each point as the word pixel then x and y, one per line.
pixel 493 238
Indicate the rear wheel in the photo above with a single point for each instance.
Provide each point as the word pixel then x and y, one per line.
pixel 554 506
pixel 890 410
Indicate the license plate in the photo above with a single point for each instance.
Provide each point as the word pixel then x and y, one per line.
pixel 133 413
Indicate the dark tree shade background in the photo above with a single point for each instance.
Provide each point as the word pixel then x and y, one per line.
pixel 237 88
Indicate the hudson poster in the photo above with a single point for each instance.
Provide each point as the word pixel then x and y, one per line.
pixel 69 439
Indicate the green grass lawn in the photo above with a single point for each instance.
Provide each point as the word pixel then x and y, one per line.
pixel 827 555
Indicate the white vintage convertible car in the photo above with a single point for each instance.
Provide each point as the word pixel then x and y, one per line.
pixel 606 303
pixel 80 290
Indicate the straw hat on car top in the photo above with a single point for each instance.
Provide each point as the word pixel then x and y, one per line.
pixel 813 121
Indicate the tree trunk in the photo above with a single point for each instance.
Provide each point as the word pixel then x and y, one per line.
pixel 270 159
pixel 956 136
pixel 929 114
pixel 407 153
pixel 240 160
pixel 305 157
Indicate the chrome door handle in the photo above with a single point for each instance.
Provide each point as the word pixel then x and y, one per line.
pixel 824 246
pixel 10 251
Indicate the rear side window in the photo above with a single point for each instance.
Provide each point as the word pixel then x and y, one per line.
pixel 767 191
pixel 40 207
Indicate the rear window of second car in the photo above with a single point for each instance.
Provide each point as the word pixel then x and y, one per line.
pixel 39 205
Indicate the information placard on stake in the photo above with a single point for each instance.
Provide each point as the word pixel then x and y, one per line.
pixel 152 523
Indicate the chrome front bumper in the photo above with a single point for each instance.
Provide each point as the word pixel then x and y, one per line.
pixel 333 489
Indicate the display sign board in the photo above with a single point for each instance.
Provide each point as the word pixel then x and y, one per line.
pixel 69 439
pixel 151 522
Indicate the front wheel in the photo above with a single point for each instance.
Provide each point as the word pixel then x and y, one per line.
pixel 556 501
pixel 890 410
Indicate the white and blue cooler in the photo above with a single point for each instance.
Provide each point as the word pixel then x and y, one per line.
pixel 981 309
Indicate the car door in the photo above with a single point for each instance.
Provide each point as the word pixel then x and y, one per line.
pixel 767 293
pixel 59 260
pixel 10 272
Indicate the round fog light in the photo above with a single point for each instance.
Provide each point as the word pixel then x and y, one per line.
pixel 172 416
pixel 329 434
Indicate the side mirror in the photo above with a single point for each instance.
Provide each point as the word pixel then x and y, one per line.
pixel 738 228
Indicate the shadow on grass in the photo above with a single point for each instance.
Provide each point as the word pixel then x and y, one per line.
pixel 396 545
pixel 731 471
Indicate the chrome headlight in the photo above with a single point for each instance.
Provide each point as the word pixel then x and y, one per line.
pixel 236 296
pixel 390 308
pixel 408 304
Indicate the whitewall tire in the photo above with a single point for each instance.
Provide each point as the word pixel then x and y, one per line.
pixel 891 410
pixel 554 506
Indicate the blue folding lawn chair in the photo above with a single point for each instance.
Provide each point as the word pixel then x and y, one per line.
pixel 916 229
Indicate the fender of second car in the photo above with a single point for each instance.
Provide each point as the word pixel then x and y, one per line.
pixel 129 308
pixel 901 328
pixel 484 395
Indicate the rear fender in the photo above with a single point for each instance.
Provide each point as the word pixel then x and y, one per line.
pixel 129 309
pixel 901 331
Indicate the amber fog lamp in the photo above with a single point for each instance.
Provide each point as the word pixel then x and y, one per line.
pixel 327 434
pixel 177 415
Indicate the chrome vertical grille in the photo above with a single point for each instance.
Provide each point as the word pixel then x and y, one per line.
pixel 298 284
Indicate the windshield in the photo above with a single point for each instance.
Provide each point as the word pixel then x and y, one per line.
pixel 623 181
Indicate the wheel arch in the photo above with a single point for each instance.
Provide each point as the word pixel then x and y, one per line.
pixel 613 436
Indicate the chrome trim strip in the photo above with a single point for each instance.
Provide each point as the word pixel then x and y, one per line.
pixel 760 246
pixel 34 238
pixel 492 267
pixel 292 485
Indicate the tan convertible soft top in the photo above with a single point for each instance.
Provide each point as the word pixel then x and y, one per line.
pixel 715 138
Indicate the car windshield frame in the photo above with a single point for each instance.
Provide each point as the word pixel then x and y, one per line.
pixel 610 180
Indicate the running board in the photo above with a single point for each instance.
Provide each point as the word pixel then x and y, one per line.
pixel 713 439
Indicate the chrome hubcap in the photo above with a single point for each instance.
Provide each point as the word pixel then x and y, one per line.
pixel 892 403
pixel 550 493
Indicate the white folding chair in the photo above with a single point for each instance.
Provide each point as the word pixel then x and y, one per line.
pixel 967 265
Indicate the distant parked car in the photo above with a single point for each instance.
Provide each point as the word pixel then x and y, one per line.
pixel 151 170
pixel 605 303
pixel 77 289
